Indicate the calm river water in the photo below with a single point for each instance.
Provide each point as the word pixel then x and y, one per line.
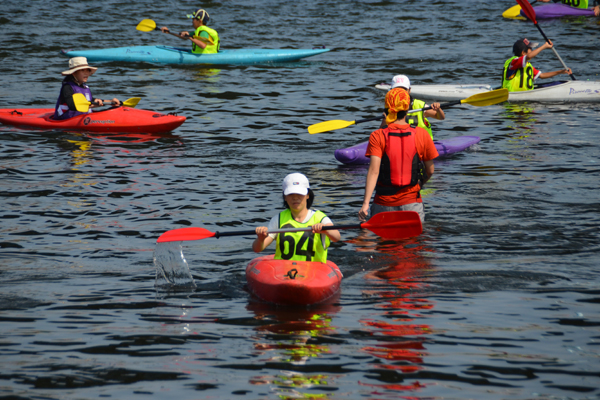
pixel 497 299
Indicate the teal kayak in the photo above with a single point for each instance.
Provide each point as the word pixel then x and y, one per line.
pixel 177 55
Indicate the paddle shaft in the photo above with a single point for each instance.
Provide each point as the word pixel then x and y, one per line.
pixel 177 35
pixel 388 224
pixel 174 34
pixel 451 103
pixel 530 13
pixel 554 50
pixel 84 107
pixel 108 102
pixel 307 229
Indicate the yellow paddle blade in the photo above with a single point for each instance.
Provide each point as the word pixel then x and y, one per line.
pixel 513 13
pixel 487 98
pixel 81 103
pixel 132 102
pixel 147 25
pixel 329 126
pixel 207 40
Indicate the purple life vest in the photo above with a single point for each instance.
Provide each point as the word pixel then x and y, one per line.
pixel 61 110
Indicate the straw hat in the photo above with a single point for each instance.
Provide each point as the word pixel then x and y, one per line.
pixel 77 63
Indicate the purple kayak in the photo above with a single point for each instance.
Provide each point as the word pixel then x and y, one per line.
pixel 557 10
pixel 446 147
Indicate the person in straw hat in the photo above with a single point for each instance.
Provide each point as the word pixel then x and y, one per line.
pixel 75 81
pixel 205 40
pixel 401 161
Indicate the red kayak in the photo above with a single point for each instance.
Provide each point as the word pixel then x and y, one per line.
pixel 118 119
pixel 292 283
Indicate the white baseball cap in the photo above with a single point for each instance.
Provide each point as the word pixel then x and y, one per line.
pixel 400 81
pixel 295 184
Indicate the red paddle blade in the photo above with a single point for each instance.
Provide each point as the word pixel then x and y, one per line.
pixel 183 234
pixel 527 10
pixel 395 224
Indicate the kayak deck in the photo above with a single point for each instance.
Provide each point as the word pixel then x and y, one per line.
pixel 549 11
pixel 118 119
pixel 178 55
pixel 445 147
pixel 578 91
pixel 292 283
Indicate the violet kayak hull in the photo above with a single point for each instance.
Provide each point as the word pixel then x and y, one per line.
pixel 445 147
pixel 557 10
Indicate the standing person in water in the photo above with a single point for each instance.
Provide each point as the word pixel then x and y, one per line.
pixel 518 74
pixel 401 161
pixel 205 40
pixel 76 82
pixel 300 246
pixel 419 118
pixel 578 4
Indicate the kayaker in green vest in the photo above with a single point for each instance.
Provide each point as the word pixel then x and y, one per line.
pixel 299 246
pixel 518 74
pixel 420 118
pixel 205 40
pixel 578 4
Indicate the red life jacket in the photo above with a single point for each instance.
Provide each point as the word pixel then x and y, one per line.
pixel 400 164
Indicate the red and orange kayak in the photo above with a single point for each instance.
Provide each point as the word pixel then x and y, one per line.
pixel 292 283
pixel 118 119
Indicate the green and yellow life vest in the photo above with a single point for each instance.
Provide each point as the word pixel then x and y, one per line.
pixel 576 3
pixel 300 246
pixel 418 118
pixel 521 80
pixel 210 48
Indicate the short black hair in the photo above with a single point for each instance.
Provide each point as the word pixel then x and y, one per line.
pixel 399 114
pixel 309 202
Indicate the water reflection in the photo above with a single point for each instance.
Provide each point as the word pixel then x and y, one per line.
pixel 521 118
pixel 401 310
pixel 130 137
pixel 294 337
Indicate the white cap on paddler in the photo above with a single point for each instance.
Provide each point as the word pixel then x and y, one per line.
pixel 400 81
pixel 295 184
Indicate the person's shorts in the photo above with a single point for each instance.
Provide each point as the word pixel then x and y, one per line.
pixel 418 207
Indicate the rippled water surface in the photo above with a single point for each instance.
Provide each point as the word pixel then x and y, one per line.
pixel 497 299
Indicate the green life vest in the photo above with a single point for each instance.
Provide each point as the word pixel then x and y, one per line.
pixel 210 48
pixel 522 79
pixel 418 118
pixel 300 246
pixel 576 3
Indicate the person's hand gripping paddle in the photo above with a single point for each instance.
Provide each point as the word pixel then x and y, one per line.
pixel 389 225
pixel 478 100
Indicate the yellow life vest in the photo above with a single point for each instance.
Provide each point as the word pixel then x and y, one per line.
pixel 210 48
pixel 576 3
pixel 521 80
pixel 300 246
pixel 418 118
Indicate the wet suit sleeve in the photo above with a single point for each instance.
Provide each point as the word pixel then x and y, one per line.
pixel 66 94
